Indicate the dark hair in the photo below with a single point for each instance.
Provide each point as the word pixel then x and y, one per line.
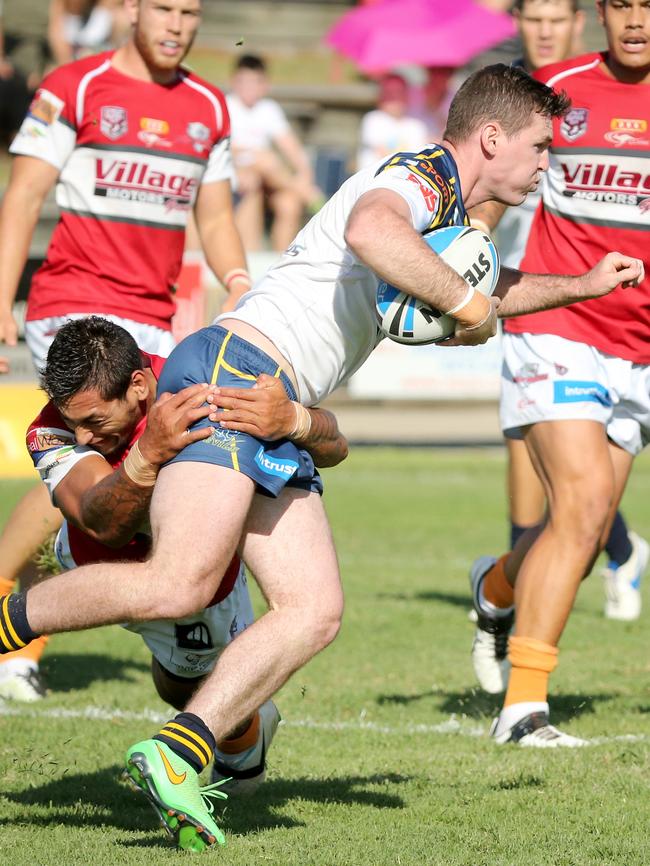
pixel 503 93
pixel 519 4
pixel 250 61
pixel 90 353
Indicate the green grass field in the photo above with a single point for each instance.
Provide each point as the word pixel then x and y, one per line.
pixel 384 757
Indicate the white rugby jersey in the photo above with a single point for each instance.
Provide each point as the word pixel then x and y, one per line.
pixel 131 155
pixel 317 305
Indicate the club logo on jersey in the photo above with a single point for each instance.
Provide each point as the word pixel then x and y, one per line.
pixel 574 123
pixel 113 121
pixel 45 108
pixel 199 133
pixel 223 439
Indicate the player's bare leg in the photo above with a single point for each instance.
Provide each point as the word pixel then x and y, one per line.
pixel 197 515
pixel 288 547
pixel 573 461
pixel 526 500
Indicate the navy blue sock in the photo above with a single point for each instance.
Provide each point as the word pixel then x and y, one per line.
pixel 190 739
pixel 15 632
pixel 619 546
pixel 516 531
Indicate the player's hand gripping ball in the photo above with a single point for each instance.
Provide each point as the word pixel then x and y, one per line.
pixel 470 253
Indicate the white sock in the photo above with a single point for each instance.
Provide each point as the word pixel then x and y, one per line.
pixel 11 667
pixel 510 715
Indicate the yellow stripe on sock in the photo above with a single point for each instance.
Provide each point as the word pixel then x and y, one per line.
pixel 199 740
pixel 5 608
pixel 219 361
pixel 187 743
pixel 4 640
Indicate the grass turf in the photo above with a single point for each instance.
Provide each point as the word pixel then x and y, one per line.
pixel 384 757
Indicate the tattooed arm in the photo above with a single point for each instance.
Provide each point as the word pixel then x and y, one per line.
pixel 107 503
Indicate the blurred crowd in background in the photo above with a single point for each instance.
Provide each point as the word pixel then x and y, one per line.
pixel 278 186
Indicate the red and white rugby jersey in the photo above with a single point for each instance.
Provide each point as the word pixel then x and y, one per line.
pixel 54 450
pixel 132 155
pixel 596 199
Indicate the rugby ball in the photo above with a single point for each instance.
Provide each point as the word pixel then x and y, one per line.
pixel 406 319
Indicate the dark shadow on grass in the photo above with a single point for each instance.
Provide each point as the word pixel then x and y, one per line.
pixel 71 671
pixel 112 803
pixel 476 704
pixel 454 599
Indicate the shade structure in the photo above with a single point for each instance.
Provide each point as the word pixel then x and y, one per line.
pixel 389 33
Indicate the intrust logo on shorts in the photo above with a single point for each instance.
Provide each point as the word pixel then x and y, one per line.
pixel 281 468
pixel 581 392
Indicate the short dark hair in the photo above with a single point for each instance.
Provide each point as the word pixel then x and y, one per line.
pixel 250 61
pixel 507 94
pixel 90 353
pixel 519 5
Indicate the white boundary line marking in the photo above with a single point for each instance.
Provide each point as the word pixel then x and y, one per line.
pixel 453 725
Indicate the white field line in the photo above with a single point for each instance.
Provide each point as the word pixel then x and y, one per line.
pixel 453 725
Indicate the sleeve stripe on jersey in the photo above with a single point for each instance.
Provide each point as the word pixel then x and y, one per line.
pixel 127 148
pixel 83 86
pixel 569 72
pixel 114 219
pixel 212 99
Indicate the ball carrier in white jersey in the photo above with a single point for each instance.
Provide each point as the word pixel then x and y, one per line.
pixel 311 322
pixel 133 142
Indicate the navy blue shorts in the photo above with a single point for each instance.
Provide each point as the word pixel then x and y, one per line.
pixel 220 357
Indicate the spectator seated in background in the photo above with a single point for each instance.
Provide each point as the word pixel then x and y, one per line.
pixel 271 164
pixel 23 57
pixel 388 128
pixel 78 28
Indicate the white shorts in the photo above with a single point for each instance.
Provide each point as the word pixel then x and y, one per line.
pixel 549 378
pixel 187 647
pixel 39 334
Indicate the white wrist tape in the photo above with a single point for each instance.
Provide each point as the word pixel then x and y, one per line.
pixel 303 422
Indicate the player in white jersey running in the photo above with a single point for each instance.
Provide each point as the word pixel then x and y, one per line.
pixel 134 142
pixel 311 322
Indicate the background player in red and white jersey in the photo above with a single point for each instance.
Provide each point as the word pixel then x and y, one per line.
pixel 135 142
pixel 576 380
pixel 89 443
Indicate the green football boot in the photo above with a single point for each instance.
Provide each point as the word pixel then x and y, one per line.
pixel 172 787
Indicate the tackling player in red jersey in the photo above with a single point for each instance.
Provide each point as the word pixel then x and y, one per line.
pixel 89 445
pixel 134 142
pixel 576 379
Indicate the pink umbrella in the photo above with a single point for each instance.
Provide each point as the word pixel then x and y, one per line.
pixel 423 32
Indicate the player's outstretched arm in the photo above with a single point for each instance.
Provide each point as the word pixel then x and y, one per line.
pixel 529 293
pixel 31 180
pixel 265 411
pixel 111 505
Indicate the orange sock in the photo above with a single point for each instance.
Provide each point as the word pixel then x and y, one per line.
pixel 496 588
pixel 235 745
pixel 6 586
pixel 34 650
pixel 532 661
